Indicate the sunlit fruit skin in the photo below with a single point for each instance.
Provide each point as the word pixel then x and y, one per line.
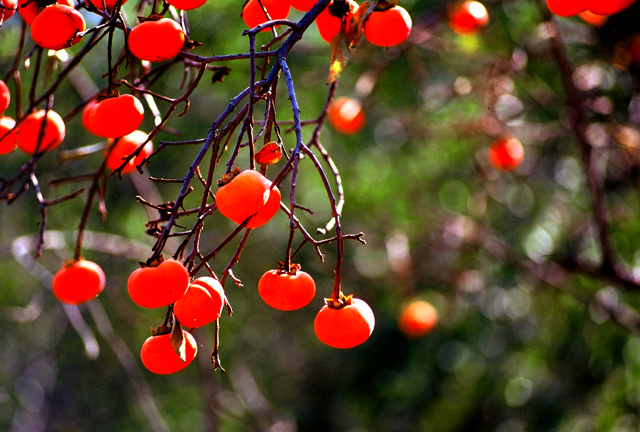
pixel 153 287
pixel 28 133
pixel 388 28
pixel 303 5
pixel 609 7
pixel 566 7
pixel 468 18
pixel 86 116
pixel 55 27
pixel 116 116
pixel 158 356
pixel 346 115
pixel 7 135
pixel 122 147
pixel 243 196
pixel 267 211
pixel 78 282
pixel 253 15
pixel 201 304
pixel 346 327
pixel 5 96
pixel 109 5
pixel 286 291
pixel 29 9
pixel 7 9
pixel 506 154
pixel 329 24
pixel 592 18
pixel 417 318
pixel 186 4
pixel 156 41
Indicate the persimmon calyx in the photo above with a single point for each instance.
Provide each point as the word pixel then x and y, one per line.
pixel 383 5
pixel 227 177
pixel 292 270
pixel 340 302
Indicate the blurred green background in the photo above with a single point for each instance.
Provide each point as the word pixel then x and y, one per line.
pixel 523 343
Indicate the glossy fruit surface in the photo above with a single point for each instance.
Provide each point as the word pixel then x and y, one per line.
pixel 330 20
pixel 608 7
pixel 389 27
pixel 592 19
pixel 267 211
pixel 254 15
pixel 158 356
pixel 201 304
pixel 86 115
pixel 506 154
pixel 5 96
pixel 186 4
pixel 346 327
pixel 116 116
pixel 468 18
pixel 122 147
pixel 243 196
pixel 109 5
pixel 346 115
pixel 29 9
pixel 303 5
pixel 8 142
pixel 287 290
pixel 153 287
pixel 417 318
pixel 28 134
pixel 7 9
pixel 566 7
pixel 55 27
pixel 78 282
pixel 156 41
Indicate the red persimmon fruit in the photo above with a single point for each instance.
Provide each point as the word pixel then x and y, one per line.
pixel 186 4
pixel 346 326
pixel 7 9
pixel 243 196
pixel 5 96
pixel 389 27
pixel 417 318
pixel 108 6
pixel 346 115
pixel 56 27
pixel 116 116
pixel 201 304
pixel 7 135
pixel 122 147
pixel 506 154
pixel 28 135
pixel 469 17
pixel 78 282
pixel 254 15
pixel 267 211
pixel 330 20
pixel 303 5
pixel 156 41
pixel 29 9
pixel 158 356
pixel 154 287
pixel 287 290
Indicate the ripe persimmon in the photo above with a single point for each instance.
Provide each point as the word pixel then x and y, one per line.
pixel 153 287
pixel 122 147
pixel 303 5
pixel 469 17
pixel 388 27
pixel 344 326
pixel 243 196
pixel 5 96
pixel 115 116
pixel 56 27
pixel 7 135
pixel 417 318
pixel 30 135
pixel 506 154
pixel 201 304
pixel 158 356
pixel 29 9
pixel 186 4
pixel 7 9
pixel 267 211
pixel 253 14
pixel 156 41
pixel 287 290
pixel 78 281
pixel 346 115
pixel 330 20
pixel 108 5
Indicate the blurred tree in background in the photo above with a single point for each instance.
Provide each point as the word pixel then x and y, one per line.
pixel 533 271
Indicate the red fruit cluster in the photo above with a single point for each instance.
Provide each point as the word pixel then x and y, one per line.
pixel 599 7
pixel 287 289
pixel 78 281
pixel 248 194
pixel 417 318
pixel 468 17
